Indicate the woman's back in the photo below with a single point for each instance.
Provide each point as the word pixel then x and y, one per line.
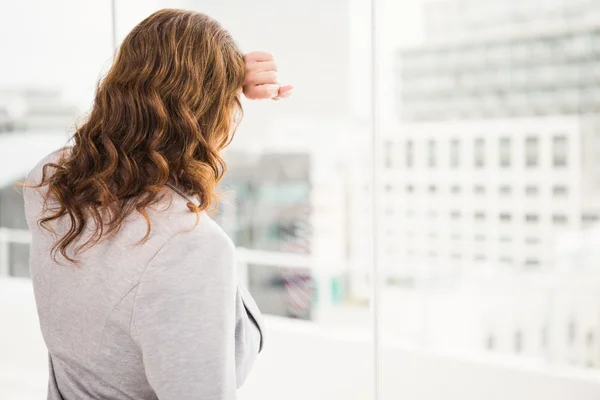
pixel 163 319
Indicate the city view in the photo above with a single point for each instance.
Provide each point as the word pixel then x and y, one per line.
pixel 489 190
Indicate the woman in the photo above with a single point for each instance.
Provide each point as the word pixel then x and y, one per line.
pixel 135 285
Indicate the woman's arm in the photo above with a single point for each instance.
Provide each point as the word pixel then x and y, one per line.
pixel 184 319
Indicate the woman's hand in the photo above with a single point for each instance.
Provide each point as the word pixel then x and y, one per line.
pixel 261 80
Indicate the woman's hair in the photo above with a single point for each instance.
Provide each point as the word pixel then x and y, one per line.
pixel 163 113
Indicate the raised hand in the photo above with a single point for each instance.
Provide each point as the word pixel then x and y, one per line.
pixel 262 81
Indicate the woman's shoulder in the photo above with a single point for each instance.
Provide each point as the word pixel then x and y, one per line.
pixel 35 174
pixel 200 230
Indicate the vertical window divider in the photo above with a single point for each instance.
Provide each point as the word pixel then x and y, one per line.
pixel 375 303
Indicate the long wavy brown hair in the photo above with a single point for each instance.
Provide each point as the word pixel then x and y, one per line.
pixel 162 114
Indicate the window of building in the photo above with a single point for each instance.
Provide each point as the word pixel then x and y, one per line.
pixel 559 151
pixel 572 332
pixel 504 147
pixel 479 216
pixel 432 235
pixel 505 239
pixel 589 219
pixel 505 190
pixel 505 217
pixel 455 236
pixel 432 188
pixel 432 153
pixel 559 219
pixel 480 257
pixel 531 218
pixel 479 189
pixel 409 149
pixel 455 189
pixel 518 341
pixel 490 342
pixel 532 151
pixel 409 188
pixel 388 153
pixel 455 153
pixel 432 214
pixel 479 153
pixel 505 260
pixel 432 254
pixel 531 190
pixel 389 188
pixel 480 238
pixel 560 191
pixel 455 214
pixel 532 262
pixel 410 213
pixel 456 256
pixel 532 240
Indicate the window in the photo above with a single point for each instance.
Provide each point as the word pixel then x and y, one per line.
pixel 432 189
pixel 589 219
pixel 560 191
pixel 455 237
pixel 504 149
pixel 505 260
pixel 559 151
pixel 409 148
pixel 531 190
pixel 479 238
pixel 504 190
pixel 388 153
pixel 479 153
pixel 559 219
pixel 479 216
pixel 531 218
pixel 479 189
pixel 505 217
pixel 455 153
pixel 389 188
pixel 479 258
pixel 532 152
pixel 532 240
pixel 532 262
pixel 432 214
pixel 409 188
pixel 572 332
pixel 432 153
pixel 518 341
pixel 455 189
pixel 455 214
pixel 490 342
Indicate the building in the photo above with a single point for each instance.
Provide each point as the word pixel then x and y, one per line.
pixel 493 161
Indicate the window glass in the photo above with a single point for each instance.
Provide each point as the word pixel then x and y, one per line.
pixel 560 150
pixel 504 152
pixel 531 152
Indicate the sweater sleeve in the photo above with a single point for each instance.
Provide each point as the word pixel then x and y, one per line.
pixel 185 320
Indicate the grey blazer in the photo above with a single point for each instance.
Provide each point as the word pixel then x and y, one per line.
pixel 162 320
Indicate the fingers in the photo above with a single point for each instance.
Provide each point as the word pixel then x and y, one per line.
pixel 284 91
pixel 260 66
pixel 258 56
pixel 261 92
pixel 262 79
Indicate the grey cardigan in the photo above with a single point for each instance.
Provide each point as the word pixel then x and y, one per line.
pixel 164 319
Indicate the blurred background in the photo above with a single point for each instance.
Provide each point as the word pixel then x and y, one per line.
pixel 489 193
